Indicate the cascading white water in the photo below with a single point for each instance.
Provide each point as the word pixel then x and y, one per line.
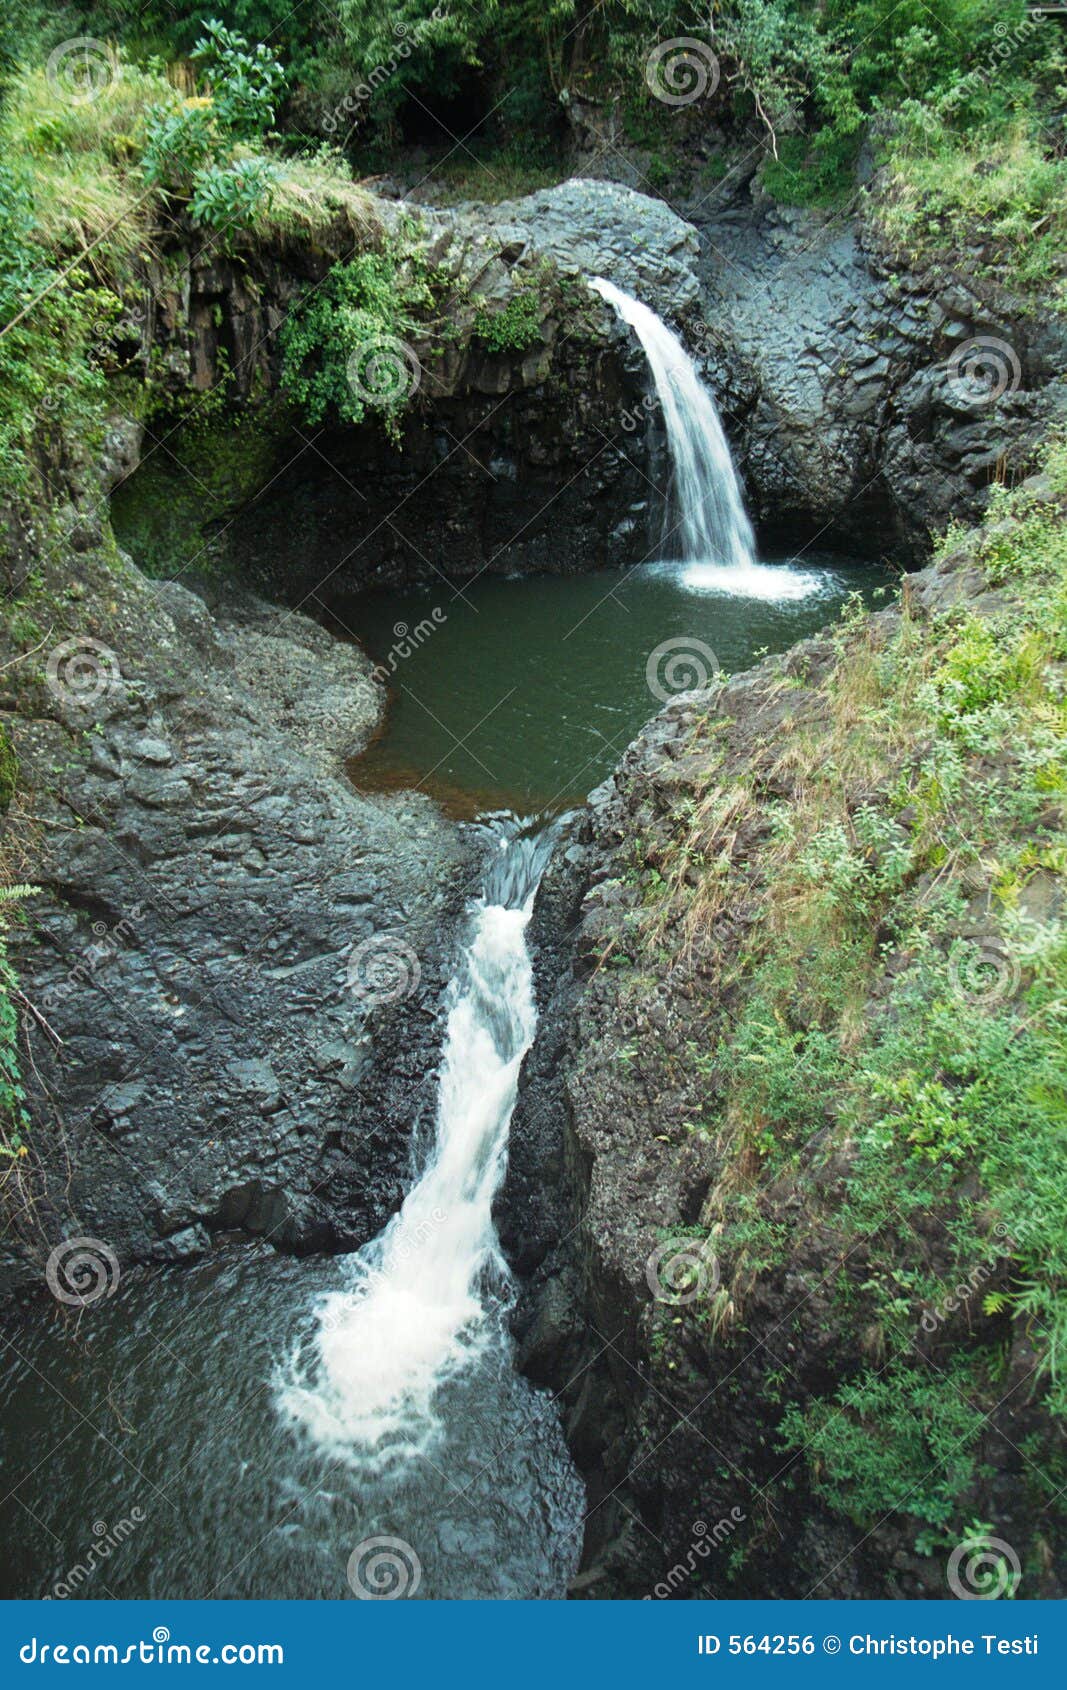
pixel 712 523
pixel 717 547
pixel 423 1300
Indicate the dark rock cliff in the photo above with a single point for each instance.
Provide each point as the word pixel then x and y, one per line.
pixel 507 457
pixel 863 399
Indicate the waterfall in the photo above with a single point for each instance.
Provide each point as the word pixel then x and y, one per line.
pixel 423 1300
pixel 715 542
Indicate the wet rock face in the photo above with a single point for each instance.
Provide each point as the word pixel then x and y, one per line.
pixel 597 228
pixel 528 481
pixel 509 458
pixel 856 396
pixel 236 961
pixel 860 395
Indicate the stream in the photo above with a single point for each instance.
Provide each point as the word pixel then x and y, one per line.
pixel 355 1426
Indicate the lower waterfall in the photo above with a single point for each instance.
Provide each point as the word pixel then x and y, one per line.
pixel 424 1299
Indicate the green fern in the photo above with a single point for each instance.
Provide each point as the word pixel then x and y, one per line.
pixel 18 893
pixel 14 1118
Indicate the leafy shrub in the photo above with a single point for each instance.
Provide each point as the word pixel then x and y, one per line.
pixel 246 82
pixel 230 194
pixel 190 145
pixel 899 1440
pixel 816 170
pixel 363 309
pixel 180 141
pixel 514 326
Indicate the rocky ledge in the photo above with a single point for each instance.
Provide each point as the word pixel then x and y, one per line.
pixel 232 970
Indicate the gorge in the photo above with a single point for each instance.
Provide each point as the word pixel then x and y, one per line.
pixel 405 1370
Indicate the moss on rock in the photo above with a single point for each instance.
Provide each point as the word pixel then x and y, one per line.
pixel 9 770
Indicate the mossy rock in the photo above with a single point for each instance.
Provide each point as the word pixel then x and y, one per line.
pixel 169 513
pixel 9 770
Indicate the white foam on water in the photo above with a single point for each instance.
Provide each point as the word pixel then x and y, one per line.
pixel 424 1300
pixel 772 582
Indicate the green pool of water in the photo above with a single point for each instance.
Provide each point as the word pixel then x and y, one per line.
pixel 523 693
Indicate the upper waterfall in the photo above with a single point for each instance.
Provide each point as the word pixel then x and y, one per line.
pixel 711 521
pixel 716 544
